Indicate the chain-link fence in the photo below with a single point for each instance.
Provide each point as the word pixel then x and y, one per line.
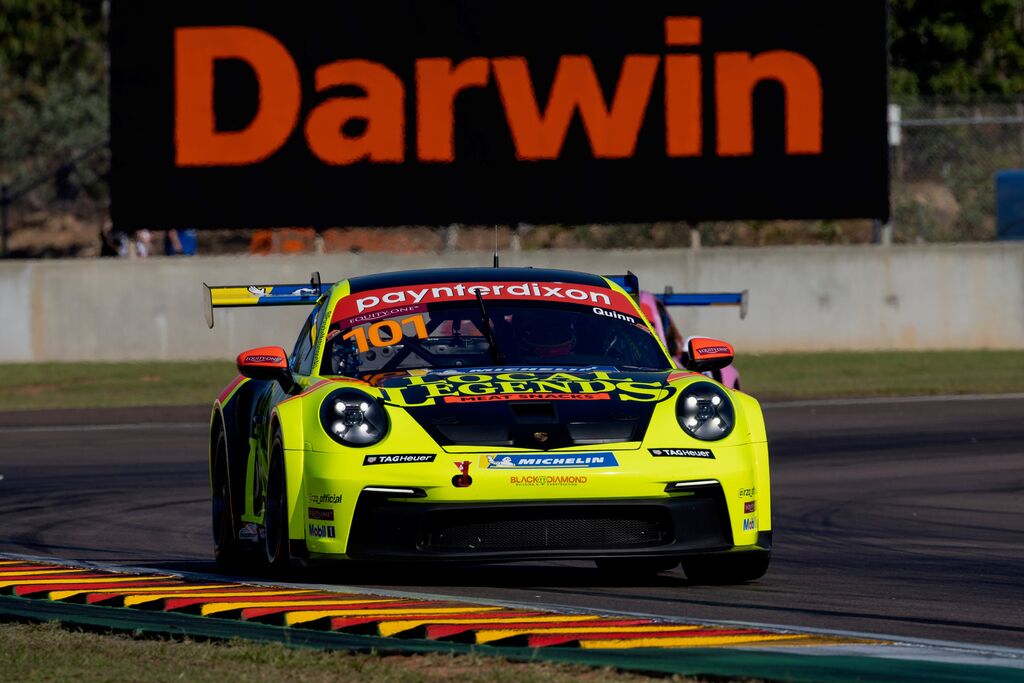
pixel 60 211
pixel 943 169
pixel 943 190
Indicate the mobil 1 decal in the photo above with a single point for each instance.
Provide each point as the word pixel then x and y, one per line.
pixel 501 387
pixel 320 114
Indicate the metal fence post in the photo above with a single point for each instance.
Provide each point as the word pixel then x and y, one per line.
pixel 5 200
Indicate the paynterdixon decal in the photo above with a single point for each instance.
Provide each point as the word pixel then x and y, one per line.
pixel 427 390
pixel 372 301
pixel 547 461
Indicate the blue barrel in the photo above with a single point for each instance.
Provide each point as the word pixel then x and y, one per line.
pixel 1010 205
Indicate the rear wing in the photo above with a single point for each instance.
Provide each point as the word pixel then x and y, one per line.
pixel 629 282
pixel 233 296
pixel 670 298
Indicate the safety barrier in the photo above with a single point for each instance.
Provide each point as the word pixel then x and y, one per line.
pixel 961 296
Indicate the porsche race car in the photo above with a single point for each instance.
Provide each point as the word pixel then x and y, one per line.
pixel 485 415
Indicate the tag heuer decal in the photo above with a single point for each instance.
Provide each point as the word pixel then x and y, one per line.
pixel 398 459
pixel 682 453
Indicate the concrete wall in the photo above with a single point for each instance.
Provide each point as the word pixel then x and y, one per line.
pixel 801 298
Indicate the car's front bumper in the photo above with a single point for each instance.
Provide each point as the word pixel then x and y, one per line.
pixel 644 506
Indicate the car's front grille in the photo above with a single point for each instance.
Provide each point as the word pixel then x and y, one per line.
pixel 547 528
pixel 384 528
pixel 536 425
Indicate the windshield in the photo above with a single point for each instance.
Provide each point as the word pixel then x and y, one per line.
pixel 525 333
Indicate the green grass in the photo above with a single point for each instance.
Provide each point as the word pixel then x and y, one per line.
pixel 882 373
pixel 767 376
pixel 46 652
pixel 25 386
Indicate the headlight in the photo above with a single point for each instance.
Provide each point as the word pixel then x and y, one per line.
pixel 353 418
pixel 705 411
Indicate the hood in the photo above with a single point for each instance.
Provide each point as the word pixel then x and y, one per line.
pixel 535 408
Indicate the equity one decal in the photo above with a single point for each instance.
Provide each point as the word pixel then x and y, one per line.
pixel 538 131
pixel 424 390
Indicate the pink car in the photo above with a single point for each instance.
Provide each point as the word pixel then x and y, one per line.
pixel 655 308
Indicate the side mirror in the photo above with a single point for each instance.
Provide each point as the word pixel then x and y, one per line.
pixel 269 363
pixel 704 354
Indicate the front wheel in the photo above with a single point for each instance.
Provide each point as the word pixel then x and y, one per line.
pixel 276 513
pixel 725 569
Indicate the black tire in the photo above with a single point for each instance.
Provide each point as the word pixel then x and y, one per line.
pixel 275 520
pixel 634 567
pixel 726 569
pixel 227 550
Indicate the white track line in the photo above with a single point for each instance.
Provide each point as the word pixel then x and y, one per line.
pixel 135 427
pixel 901 647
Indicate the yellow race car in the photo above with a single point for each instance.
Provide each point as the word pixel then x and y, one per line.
pixel 477 415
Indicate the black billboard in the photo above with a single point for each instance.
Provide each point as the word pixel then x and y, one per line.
pixel 434 112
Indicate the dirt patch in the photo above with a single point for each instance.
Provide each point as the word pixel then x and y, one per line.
pixel 38 233
pixel 35 389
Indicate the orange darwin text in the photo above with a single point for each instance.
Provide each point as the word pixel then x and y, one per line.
pixel 538 123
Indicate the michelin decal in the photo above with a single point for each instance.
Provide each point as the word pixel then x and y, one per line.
pixel 547 461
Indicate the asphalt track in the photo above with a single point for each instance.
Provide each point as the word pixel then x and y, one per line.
pixel 900 517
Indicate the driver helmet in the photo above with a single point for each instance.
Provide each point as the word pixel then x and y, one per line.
pixel 547 335
pixel 345 358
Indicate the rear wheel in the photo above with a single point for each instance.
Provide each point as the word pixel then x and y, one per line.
pixel 636 567
pixel 276 513
pixel 723 569
pixel 226 548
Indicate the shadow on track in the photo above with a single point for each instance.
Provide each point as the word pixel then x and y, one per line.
pixel 581 575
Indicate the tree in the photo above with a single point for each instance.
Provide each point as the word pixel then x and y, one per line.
pixel 52 82
pixel 957 49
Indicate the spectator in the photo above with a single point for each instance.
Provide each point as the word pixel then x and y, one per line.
pixel 180 242
pixel 113 242
pixel 141 244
